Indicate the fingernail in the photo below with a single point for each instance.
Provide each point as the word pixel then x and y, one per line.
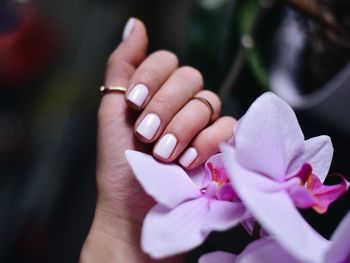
pixel 128 27
pixel 138 94
pixel 188 157
pixel 148 126
pixel 166 146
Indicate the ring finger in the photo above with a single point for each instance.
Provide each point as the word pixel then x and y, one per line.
pixel 169 99
pixel 186 124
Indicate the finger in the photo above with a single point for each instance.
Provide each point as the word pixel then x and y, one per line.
pixel 149 76
pixel 112 112
pixel 170 98
pixel 186 124
pixel 207 142
pixel 121 65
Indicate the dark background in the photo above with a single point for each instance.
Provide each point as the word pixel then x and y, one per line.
pixel 52 61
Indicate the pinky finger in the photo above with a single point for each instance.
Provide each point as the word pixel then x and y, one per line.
pixel 207 142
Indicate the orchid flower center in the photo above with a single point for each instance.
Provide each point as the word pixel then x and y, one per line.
pixel 315 193
pixel 218 174
pixel 305 173
pixel 220 187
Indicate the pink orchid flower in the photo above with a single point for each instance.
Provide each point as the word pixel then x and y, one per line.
pixel 268 250
pixel 273 170
pixel 188 208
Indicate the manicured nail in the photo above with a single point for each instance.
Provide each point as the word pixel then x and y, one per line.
pixel 188 157
pixel 128 27
pixel 138 94
pixel 148 126
pixel 166 146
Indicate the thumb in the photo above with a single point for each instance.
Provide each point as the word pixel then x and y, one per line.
pixel 114 128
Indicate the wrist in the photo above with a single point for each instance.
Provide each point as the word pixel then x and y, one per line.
pixel 115 240
pixel 112 240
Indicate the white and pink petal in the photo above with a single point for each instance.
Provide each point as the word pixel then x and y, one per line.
pixel 275 211
pixel 168 184
pixel 168 232
pixel 318 152
pixel 223 215
pixel 268 137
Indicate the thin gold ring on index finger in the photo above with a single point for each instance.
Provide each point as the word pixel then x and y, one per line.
pixel 106 89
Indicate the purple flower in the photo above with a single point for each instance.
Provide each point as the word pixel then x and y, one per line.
pixel 268 250
pixel 274 170
pixel 188 208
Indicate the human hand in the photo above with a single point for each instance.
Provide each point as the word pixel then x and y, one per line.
pixel 157 110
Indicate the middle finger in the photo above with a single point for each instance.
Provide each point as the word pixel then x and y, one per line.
pixel 170 98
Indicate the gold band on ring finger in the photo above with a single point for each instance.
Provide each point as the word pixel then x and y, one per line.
pixel 208 105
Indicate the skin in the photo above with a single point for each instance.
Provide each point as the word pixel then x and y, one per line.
pixel 122 204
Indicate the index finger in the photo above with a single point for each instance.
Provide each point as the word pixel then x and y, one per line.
pixel 121 65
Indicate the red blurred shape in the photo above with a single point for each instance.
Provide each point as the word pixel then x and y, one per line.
pixel 27 51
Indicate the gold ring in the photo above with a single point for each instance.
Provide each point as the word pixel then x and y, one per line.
pixel 207 104
pixel 106 89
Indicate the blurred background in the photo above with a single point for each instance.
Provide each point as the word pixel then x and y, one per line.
pixel 52 61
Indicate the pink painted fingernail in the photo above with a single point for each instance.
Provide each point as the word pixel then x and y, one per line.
pixel 188 157
pixel 149 126
pixel 166 146
pixel 128 28
pixel 138 94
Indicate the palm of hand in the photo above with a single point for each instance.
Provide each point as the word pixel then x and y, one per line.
pixel 117 186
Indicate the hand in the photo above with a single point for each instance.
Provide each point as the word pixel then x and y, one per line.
pixel 156 86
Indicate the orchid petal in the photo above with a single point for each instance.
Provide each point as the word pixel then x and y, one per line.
pixel 318 153
pixel 168 232
pixel 168 184
pixel 275 211
pixel 216 160
pixel 218 256
pixel 265 250
pixel 223 215
pixel 340 243
pixel 268 137
pixel 215 169
pixel 199 177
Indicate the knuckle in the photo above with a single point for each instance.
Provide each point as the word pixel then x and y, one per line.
pixel 114 58
pixel 163 104
pixel 149 75
pixel 228 120
pixel 191 74
pixel 227 123
pixel 111 60
pixel 214 99
pixel 210 140
pixel 122 69
pixel 117 62
pixel 184 128
pixel 167 55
